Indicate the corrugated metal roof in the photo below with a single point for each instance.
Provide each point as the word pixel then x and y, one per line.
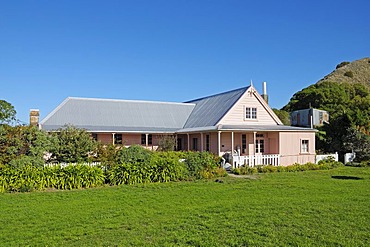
pixel 119 115
pixel 264 128
pixel 209 110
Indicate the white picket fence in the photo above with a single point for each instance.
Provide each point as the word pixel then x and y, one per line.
pixel 325 156
pixel 254 160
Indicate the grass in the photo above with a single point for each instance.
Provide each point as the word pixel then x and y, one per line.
pixel 313 208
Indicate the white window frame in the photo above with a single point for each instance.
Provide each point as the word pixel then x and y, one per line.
pixel 252 113
pixel 305 146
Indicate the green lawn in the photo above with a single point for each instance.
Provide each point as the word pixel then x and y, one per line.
pixel 298 209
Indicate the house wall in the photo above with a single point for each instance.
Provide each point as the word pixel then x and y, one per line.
pixel 290 144
pixel 236 115
pixel 129 139
pixel 105 138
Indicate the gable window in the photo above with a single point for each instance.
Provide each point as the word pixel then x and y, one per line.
pixel 143 139
pixel 118 139
pixel 250 113
pixel 304 146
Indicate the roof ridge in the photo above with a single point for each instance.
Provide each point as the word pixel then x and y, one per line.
pixel 218 94
pixel 133 101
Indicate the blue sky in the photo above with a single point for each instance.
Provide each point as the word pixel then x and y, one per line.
pixel 171 50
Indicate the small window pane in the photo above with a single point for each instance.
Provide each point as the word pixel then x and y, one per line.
pixel 304 146
pixel 250 113
pixel 118 139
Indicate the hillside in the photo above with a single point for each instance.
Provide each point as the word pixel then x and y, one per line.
pixel 357 71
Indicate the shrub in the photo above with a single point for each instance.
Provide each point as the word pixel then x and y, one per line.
pixel 71 144
pixel 342 64
pixel 24 160
pixel 133 154
pixel 167 143
pixel 28 178
pixel 348 74
pixel 198 161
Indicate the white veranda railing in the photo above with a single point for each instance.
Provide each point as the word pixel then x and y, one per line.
pixel 255 160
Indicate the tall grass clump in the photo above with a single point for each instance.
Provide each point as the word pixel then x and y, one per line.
pixel 30 178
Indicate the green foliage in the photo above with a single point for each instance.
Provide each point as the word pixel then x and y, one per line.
pixel 167 143
pixel 133 154
pixel 201 164
pixel 348 74
pixel 359 142
pixel 107 154
pixel 7 112
pixel 342 64
pixel 29 178
pixel 139 165
pixel 21 145
pixel 283 116
pixel 322 165
pixel 73 145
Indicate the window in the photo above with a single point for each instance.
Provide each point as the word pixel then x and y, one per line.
pixel 250 113
pixel 118 139
pixel 260 146
pixel 94 136
pixel 179 144
pixel 304 146
pixel 195 144
pixel 207 143
pixel 244 143
pixel 143 139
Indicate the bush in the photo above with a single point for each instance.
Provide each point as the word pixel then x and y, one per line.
pixel 200 162
pixel 349 74
pixel 133 154
pixel 167 143
pixel 71 144
pixel 326 164
pixel 342 64
pixel 28 178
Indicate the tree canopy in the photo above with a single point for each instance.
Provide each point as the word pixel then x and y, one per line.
pixel 7 112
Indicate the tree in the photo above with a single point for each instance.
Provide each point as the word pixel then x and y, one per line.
pixel 71 144
pixel 7 112
pixel 20 145
pixel 283 116
pixel 167 143
pixel 359 142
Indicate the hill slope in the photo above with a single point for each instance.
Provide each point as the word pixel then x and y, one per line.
pixel 357 71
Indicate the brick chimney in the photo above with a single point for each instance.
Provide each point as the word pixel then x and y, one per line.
pixel 34 117
pixel 264 95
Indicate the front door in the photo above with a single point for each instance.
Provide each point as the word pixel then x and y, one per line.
pixel 260 144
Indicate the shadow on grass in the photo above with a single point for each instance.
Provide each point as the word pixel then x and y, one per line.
pixel 347 177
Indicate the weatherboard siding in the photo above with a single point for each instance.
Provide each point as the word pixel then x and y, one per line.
pixel 105 138
pixel 236 115
pixel 290 147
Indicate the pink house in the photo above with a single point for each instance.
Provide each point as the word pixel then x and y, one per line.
pixel 238 122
